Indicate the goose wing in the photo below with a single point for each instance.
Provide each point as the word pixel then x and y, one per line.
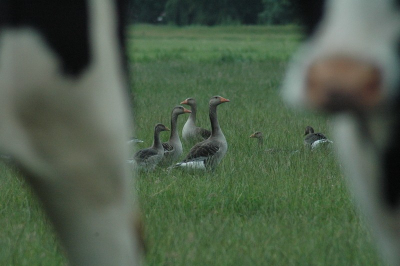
pixel 203 149
pixel 320 136
pixel 204 133
pixel 167 147
pixel 310 138
pixel 145 154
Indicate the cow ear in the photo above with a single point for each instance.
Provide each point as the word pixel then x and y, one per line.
pixel 309 14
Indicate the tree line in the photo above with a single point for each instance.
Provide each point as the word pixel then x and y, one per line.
pixel 213 12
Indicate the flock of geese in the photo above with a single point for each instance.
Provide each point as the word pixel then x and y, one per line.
pixel 211 145
pixel 205 155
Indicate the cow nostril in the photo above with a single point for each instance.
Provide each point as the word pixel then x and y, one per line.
pixel 344 83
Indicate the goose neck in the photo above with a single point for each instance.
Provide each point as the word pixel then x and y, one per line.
pixel 174 122
pixel 192 115
pixel 215 128
pixel 156 142
pixel 260 141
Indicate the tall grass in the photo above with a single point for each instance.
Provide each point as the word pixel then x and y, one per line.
pixel 289 207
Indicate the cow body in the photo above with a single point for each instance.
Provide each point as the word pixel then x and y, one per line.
pixel 349 66
pixel 64 119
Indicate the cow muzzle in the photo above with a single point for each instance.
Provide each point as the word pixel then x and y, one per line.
pixel 341 84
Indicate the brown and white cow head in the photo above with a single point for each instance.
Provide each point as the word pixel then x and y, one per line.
pixel 349 66
pixel 350 59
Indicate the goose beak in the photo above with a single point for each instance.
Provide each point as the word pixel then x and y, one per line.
pixel 186 110
pixel 224 100
pixel 252 136
pixel 184 102
pixel 167 129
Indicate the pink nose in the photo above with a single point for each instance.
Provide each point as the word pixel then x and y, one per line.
pixel 343 84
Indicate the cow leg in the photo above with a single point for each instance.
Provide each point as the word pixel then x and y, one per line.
pixel 69 134
pixel 362 162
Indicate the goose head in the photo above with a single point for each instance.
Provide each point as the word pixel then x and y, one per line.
pixel 189 101
pixel 216 100
pixel 259 136
pixel 178 110
pixel 160 127
pixel 309 130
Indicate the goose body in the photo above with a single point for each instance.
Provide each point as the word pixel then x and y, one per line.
pixel 190 131
pixel 206 155
pixel 147 159
pixel 314 140
pixel 173 147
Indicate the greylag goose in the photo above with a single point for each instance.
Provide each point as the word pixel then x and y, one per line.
pixel 173 148
pixel 190 131
pixel 207 154
pixel 147 159
pixel 313 140
pixel 260 138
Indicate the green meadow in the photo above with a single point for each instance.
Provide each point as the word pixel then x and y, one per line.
pixel 288 207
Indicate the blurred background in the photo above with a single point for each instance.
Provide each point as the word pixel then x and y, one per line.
pixel 211 12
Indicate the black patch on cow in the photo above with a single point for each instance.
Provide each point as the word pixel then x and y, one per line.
pixel 123 21
pixel 391 164
pixel 391 155
pixel 310 13
pixel 122 10
pixel 63 23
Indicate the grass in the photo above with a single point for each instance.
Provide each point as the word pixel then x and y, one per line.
pixel 212 44
pixel 257 208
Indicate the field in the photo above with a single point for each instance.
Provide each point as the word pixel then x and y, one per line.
pixel 257 208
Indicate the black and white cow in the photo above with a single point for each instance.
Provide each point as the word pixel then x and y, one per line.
pixel 349 65
pixel 64 119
